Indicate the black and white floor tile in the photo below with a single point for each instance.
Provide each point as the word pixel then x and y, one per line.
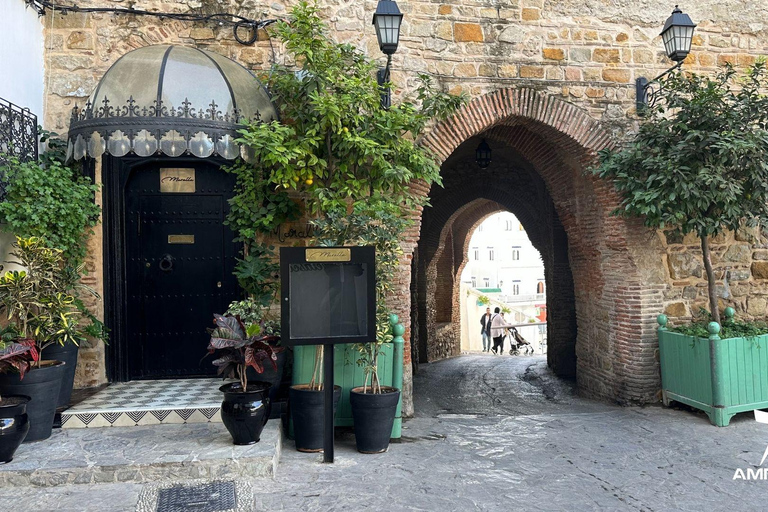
pixel 148 402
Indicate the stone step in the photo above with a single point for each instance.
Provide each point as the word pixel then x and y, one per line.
pixel 142 454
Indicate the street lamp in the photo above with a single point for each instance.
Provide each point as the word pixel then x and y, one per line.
pixel 677 36
pixel 387 20
pixel 483 155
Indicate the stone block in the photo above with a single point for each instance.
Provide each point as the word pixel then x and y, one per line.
pixel 676 309
pixel 467 32
pixel 465 69
pixel 609 55
pixel 738 275
pixel 739 253
pixel 616 75
pixel 531 72
pixel 445 9
pixel 444 30
pixel 760 269
pixel 531 14
pixel 512 34
pixel 69 20
pixel 706 59
pixel 592 74
pixel 727 58
pixel 509 71
pixel 591 35
pixel 622 37
pixel 553 53
pixel 72 85
pixel 697 40
pixel 201 33
pixel 580 54
pixel 71 62
pixel 80 40
pixel 757 306
pixel 595 92
pixel 760 255
pixel 684 264
pixel 690 292
pixel 573 74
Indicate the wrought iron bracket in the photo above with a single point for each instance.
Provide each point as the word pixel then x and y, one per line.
pixel 382 77
pixel 648 92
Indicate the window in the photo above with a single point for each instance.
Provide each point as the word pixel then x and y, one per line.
pixel 508 225
pixel 516 288
pixel 515 254
pixel 487 282
pixel 474 282
pixel 490 254
pixel 540 287
pixel 480 227
pixel 475 253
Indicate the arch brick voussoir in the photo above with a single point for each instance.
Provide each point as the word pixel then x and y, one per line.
pixel 495 107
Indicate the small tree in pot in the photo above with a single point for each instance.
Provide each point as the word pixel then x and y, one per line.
pixel 246 406
pixel 698 165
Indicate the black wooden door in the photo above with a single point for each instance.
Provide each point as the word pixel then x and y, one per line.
pixel 179 263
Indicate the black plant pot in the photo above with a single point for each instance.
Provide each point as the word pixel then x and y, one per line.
pixel 308 415
pixel 374 416
pixel 274 377
pixel 42 386
pixel 245 413
pixel 68 354
pixel 14 425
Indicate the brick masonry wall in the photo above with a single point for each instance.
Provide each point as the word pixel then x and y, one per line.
pixel 585 54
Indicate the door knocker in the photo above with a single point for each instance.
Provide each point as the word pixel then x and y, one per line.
pixel 166 263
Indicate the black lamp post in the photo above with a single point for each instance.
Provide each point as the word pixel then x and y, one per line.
pixel 483 155
pixel 677 36
pixel 387 20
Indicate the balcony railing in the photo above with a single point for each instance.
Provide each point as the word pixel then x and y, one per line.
pixel 18 136
pixel 534 297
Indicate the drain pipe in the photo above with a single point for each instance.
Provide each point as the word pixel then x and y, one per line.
pixel 397 371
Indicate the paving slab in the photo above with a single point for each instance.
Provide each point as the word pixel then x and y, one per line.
pixel 141 454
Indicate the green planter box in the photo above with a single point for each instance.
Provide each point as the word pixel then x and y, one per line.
pixel 721 377
pixel 347 374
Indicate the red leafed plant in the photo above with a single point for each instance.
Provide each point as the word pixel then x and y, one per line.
pixel 239 346
pixel 17 355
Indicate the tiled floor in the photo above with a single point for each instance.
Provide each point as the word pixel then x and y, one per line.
pixel 148 402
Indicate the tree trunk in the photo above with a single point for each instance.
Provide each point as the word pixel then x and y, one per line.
pixel 710 279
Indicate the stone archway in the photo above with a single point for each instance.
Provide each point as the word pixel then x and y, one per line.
pixel 542 145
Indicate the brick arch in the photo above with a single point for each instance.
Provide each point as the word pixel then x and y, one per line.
pixel 617 287
pixel 578 130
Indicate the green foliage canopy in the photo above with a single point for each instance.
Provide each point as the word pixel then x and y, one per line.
pixel 698 163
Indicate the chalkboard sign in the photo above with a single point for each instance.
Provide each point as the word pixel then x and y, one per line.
pixel 328 295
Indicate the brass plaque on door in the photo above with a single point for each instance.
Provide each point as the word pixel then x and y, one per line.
pixel 177 180
pixel 342 254
pixel 181 239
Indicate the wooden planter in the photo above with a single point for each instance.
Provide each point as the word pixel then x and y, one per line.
pixel 721 377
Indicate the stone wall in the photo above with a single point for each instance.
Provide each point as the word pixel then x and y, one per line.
pixel 740 262
pixel 585 53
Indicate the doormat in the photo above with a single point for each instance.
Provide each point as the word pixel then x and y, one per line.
pixel 197 496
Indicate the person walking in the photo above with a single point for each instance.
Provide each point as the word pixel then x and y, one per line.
pixel 485 323
pixel 498 324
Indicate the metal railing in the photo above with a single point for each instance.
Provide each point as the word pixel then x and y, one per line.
pixel 18 136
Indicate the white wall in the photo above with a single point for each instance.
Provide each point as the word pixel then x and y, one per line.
pixel 21 56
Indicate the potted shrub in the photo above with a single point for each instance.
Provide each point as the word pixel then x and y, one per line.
pixel 14 421
pixel 698 166
pixel 54 203
pixel 246 406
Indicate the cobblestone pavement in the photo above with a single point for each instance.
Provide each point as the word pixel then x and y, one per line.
pixel 501 433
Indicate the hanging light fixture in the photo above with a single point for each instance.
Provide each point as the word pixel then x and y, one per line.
pixel 677 35
pixel 387 20
pixel 483 155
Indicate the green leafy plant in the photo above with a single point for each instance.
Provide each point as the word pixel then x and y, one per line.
pixel 350 161
pixel 698 163
pixel 483 300
pixel 239 346
pixel 51 201
pixel 42 302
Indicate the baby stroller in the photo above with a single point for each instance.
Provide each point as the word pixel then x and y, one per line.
pixel 518 344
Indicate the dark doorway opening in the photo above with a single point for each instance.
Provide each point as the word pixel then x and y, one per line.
pixel 169 263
